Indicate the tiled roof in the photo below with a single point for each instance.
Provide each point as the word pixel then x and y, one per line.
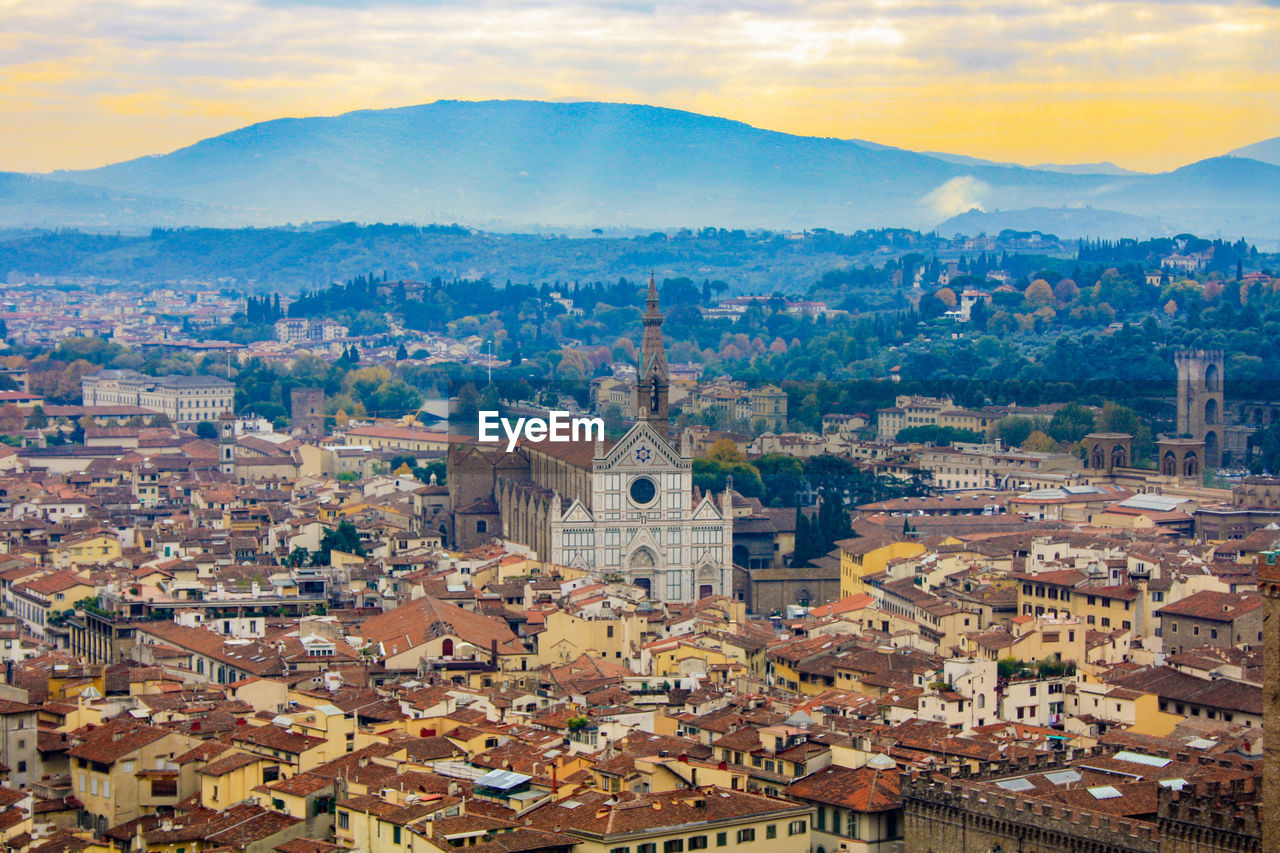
pixel 273 737
pixel 1213 606
pixel 414 624
pixel 862 790
pixel 657 813
pixel 111 742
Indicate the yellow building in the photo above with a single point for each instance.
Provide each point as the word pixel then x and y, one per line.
pixel 1064 593
pixel 1137 711
pixel 231 778
pixel 124 770
pixel 869 555
pixel 42 600
pixel 677 657
pixel 569 636
pixel 86 550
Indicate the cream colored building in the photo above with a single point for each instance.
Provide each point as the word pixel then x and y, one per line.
pixel 185 399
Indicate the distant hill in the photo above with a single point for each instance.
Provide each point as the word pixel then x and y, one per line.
pixel 529 164
pixel 1104 168
pixel 32 201
pixel 1068 223
pixel 1268 151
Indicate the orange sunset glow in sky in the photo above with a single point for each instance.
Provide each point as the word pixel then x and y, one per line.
pixel 1147 85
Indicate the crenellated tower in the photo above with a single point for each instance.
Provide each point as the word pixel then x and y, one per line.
pixel 1200 400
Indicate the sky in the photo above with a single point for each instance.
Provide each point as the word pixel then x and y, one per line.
pixel 1147 85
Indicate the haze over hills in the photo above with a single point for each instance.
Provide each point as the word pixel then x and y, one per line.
pixel 1268 151
pixel 528 164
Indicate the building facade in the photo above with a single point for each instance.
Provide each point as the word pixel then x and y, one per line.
pixel 184 399
pixel 626 509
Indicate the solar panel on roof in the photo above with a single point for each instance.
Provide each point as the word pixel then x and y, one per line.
pixel 1104 792
pixel 1140 758
pixel 1202 743
pixel 1063 777
pixel 502 780
pixel 1015 785
pixel 1154 502
pixel 1175 784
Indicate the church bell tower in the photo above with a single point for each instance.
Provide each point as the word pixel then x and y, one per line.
pixel 653 380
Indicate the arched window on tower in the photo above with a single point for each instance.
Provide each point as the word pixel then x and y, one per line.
pixel 1212 378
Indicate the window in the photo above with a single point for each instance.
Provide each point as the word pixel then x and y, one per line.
pixel 698 842
pixel 722 838
pixel 647 848
pixel 673 845
pixel 796 827
pixel 620 850
pixel 822 818
pixel 344 822
pixel 746 835
pixel 395 835
pixel 771 831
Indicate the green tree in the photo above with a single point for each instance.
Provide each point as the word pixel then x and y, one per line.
pixel 1038 442
pixel 1013 430
pixel 344 538
pixel 782 476
pixel 1071 423
pixel 207 431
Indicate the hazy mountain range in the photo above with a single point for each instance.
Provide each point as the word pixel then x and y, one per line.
pixel 524 165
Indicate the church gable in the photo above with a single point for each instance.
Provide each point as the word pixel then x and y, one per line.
pixel 707 511
pixel 642 447
pixel 577 514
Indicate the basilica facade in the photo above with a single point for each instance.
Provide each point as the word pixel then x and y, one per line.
pixel 624 509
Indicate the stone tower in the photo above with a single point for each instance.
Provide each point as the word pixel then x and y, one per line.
pixel 1106 451
pixel 1200 375
pixel 653 379
pixel 227 443
pixel 1269 585
pixel 306 410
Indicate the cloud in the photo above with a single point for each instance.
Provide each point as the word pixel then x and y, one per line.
pixel 958 195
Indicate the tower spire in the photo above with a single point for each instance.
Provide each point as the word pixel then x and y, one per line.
pixel 653 378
